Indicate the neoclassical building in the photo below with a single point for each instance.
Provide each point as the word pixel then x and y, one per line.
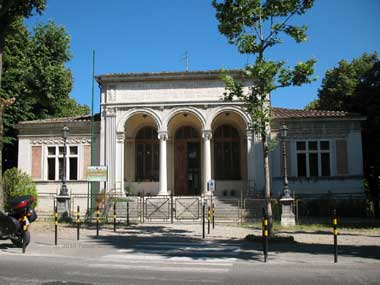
pixel 171 132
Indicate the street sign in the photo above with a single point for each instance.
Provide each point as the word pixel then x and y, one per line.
pixel 97 173
pixel 211 185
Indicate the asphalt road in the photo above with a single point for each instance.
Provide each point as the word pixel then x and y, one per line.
pixel 157 255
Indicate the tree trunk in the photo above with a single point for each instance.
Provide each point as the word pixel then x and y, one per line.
pixel 1 128
pixel 267 178
pixel 1 156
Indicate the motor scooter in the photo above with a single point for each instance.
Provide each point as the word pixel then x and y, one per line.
pixel 14 225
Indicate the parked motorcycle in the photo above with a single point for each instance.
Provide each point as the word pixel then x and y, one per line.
pixel 14 225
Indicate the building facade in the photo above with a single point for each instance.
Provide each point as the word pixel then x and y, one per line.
pixel 171 132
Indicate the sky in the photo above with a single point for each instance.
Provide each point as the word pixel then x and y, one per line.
pixel 153 35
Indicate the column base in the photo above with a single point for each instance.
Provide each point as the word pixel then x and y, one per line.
pixel 63 207
pixel 287 216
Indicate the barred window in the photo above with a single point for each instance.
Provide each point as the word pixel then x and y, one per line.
pixel 147 155
pixel 227 153
pixel 55 162
pixel 313 158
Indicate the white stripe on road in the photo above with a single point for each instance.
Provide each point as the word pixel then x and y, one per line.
pixel 158 268
pixel 175 260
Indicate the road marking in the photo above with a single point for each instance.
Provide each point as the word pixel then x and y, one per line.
pixel 159 268
pixel 174 260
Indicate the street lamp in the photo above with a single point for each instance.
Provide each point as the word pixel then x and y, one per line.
pixel 284 134
pixel 65 135
pixel 287 215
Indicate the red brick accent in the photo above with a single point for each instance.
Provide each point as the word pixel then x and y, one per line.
pixel 86 159
pixel 36 162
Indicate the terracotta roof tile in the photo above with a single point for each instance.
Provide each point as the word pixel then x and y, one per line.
pixel 86 118
pixel 282 113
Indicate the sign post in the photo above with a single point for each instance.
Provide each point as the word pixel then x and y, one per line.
pixel 96 174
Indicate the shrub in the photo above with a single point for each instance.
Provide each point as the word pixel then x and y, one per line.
pixel 17 183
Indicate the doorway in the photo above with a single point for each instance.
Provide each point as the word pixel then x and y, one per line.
pixel 187 162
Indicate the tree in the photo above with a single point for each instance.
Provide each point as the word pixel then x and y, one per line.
pixel 355 87
pixel 341 82
pixel 255 26
pixel 10 10
pixel 36 76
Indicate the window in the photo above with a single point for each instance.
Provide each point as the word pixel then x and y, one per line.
pixel 227 153
pixel 55 162
pixel 147 155
pixel 313 158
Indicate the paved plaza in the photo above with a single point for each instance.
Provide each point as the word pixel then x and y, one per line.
pixel 174 254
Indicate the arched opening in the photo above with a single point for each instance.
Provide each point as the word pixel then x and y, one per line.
pixel 147 151
pixel 227 153
pixel 187 162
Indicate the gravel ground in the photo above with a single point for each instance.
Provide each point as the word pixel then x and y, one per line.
pixel 352 237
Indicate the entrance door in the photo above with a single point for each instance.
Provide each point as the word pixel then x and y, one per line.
pixel 187 162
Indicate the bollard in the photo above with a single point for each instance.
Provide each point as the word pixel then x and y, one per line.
pixel 78 222
pixel 55 225
pixel 265 235
pixel 97 221
pixel 335 232
pixel 208 219
pixel 172 208
pixel 127 209
pixel 24 228
pixel 213 216
pixel 143 208
pixel 203 219
pixel 114 217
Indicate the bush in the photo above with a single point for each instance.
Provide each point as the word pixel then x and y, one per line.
pixel 17 183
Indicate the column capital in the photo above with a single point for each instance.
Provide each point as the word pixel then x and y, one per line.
pixel 163 135
pixel 207 134
pixel 120 137
pixel 249 134
pixel 110 112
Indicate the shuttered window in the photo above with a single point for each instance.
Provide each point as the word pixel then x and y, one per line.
pixel 341 157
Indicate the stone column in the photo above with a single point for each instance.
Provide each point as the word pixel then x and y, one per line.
pixel 110 147
pixel 250 164
pixel 120 162
pixel 206 135
pixel 163 137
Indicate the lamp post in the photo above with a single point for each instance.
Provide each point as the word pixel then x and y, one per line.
pixel 64 197
pixel 287 215
pixel 65 134
pixel 284 134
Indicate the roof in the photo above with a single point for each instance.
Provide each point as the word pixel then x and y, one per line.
pixel 283 113
pixel 75 119
pixel 164 75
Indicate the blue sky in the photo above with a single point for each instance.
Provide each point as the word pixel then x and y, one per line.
pixel 153 35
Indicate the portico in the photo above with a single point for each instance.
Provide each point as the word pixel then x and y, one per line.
pixel 163 136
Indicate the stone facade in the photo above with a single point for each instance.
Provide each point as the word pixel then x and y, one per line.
pixel 167 102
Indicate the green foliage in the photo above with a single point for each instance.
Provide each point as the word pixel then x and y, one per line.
pixel 355 87
pixel 36 76
pixel 17 183
pixel 13 9
pixel 341 83
pixel 254 26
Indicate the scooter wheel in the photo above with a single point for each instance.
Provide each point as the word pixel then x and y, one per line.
pixel 21 240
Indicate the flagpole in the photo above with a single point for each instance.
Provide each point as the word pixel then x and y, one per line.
pixel 92 129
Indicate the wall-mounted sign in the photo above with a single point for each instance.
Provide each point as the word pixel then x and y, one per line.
pixel 211 185
pixel 97 173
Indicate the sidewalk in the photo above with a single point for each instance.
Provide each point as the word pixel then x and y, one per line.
pixel 185 241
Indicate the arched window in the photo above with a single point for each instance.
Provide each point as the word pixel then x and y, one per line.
pixel 227 153
pixel 147 155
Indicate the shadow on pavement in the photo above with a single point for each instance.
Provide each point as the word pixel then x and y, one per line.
pixel 169 242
